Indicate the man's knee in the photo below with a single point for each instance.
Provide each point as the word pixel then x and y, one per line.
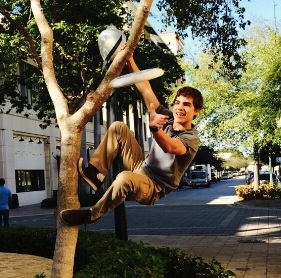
pixel 123 182
pixel 117 124
pixel 124 177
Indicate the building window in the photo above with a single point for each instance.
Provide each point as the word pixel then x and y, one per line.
pixel 27 87
pixel 30 180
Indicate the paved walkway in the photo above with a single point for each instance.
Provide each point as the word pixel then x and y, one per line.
pixel 251 253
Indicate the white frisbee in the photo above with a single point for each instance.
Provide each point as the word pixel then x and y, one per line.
pixel 135 77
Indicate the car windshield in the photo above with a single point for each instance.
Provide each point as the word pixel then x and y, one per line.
pixel 266 176
pixel 198 175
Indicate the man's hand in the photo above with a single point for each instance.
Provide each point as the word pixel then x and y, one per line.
pixel 156 120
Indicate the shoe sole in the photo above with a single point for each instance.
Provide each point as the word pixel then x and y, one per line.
pixel 61 217
pixel 76 224
pixel 87 180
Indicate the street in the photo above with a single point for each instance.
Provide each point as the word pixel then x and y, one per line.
pixel 202 211
pixel 205 222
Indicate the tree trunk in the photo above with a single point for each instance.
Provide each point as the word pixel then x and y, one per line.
pixel 256 176
pixel 67 198
pixel 256 181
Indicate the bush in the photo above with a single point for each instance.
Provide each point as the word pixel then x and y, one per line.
pixel 102 255
pixel 278 191
pixel 49 203
pixel 265 191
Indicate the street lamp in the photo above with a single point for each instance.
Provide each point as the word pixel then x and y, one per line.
pixel 111 41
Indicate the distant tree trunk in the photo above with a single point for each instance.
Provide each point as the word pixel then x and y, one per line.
pixel 256 176
pixel 270 170
pixel 256 181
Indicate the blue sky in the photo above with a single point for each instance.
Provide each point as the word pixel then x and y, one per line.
pixel 269 10
pixel 263 9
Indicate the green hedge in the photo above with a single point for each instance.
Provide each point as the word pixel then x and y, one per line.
pixel 265 191
pixel 101 255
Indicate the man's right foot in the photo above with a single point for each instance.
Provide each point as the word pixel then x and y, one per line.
pixel 75 217
pixel 90 174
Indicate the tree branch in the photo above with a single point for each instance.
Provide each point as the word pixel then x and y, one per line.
pixel 59 101
pixel 103 91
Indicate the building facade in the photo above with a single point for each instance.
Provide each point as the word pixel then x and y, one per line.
pixel 29 155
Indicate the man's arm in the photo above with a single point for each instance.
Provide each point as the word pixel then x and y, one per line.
pixel 168 144
pixel 144 87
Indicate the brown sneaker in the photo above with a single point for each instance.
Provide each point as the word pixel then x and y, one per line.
pixel 75 217
pixel 90 174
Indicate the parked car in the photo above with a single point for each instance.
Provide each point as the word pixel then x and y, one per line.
pixel 249 177
pixel 264 178
pixel 225 176
pixel 235 173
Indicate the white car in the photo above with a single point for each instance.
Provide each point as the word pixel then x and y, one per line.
pixel 225 176
pixel 235 173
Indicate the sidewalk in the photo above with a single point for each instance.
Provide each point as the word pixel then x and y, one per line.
pixel 251 253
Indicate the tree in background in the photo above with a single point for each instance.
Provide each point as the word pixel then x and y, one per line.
pixel 236 160
pixel 207 155
pixel 242 113
pixel 217 21
pixel 78 63
pixel 234 113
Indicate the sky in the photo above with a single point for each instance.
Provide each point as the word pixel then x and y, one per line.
pixel 270 10
pixel 256 10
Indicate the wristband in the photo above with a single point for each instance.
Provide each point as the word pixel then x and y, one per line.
pixel 154 129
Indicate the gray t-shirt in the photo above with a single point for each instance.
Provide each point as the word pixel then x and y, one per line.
pixel 165 168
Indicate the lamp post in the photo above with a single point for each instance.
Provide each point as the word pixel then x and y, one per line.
pixel 110 41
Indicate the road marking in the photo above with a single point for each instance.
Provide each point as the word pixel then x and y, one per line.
pixel 228 219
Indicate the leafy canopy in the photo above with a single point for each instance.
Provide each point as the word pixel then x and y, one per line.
pixel 77 59
pixel 243 113
pixel 216 21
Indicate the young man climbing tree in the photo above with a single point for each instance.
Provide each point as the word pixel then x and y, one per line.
pixel 145 180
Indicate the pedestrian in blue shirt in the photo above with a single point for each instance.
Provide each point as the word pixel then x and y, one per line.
pixel 5 199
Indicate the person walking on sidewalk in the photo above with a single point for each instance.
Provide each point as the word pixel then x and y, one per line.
pixel 145 180
pixel 5 200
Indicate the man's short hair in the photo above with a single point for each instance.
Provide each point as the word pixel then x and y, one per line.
pixel 195 94
pixel 2 181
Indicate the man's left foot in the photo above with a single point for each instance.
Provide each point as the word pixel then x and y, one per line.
pixel 90 174
pixel 75 217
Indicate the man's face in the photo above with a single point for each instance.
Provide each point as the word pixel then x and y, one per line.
pixel 184 111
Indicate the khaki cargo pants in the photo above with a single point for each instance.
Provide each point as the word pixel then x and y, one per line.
pixel 119 142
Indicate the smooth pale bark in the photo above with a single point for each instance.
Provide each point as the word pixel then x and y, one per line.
pixel 256 176
pixel 72 126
